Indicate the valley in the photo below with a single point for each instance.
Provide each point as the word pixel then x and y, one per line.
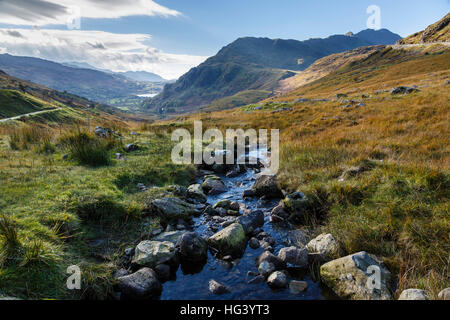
pixel 88 177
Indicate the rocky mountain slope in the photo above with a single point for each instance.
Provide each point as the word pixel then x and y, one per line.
pixel 437 32
pixel 254 65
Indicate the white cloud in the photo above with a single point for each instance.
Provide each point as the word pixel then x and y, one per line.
pixel 116 52
pixel 45 12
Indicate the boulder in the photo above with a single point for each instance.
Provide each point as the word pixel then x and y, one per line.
pixel 217 288
pixel 297 238
pixel 213 185
pixel 296 287
pixel 192 248
pixel 140 285
pixel 195 193
pixel 170 236
pixel 163 272
pixel 252 221
pixel 172 208
pixel 229 241
pixel 151 253
pixel 270 257
pixel 359 276
pixel 325 245
pixel 413 294
pixel 225 204
pixel 254 243
pixel 444 294
pixel 248 193
pixel 266 268
pixel 403 90
pixel 277 280
pixel 267 185
pixel 295 203
pixel 294 256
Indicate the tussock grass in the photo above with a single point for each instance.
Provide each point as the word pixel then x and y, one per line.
pixel 58 209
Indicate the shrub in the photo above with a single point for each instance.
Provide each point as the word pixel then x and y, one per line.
pixel 87 149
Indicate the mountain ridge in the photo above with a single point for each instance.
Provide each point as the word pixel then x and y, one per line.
pixel 251 64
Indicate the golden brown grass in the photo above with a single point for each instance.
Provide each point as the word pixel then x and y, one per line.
pixel 400 208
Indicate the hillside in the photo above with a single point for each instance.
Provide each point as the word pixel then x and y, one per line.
pixel 92 84
pixel 19 97
pixel 250 64
pixel 437 32
pixel 374 165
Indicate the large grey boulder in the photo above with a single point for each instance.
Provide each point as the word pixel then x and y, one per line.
pixel 252 221
pixel 294 256
pixel 172 208
pixel 140 285
pixel 195 193
pixel 229 241
pixel 325 245
pixel 360 276
pixel 192 248
pixel 267 185
pixel 152 253
pixel 413 294
pixel 213 185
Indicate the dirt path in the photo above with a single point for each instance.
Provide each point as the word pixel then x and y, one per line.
pixel 29 114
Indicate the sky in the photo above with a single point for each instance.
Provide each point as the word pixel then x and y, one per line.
pixel 168 37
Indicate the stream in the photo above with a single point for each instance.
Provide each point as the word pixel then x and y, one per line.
pixel 193 283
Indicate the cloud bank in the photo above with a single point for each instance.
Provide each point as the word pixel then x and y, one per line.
pixel 45 12
pixel 116 52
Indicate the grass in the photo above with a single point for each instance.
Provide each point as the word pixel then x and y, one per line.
pixel 58 213
pixel 14 103
pixel 397 206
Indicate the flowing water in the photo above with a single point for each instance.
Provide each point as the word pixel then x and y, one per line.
pixel 192 283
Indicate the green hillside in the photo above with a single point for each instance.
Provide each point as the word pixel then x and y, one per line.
pixel 14 103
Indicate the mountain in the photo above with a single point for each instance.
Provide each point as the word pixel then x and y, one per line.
pixel 92 84
pixel 378 37
pixel 437 32
pixel 142 76
pixel 254 65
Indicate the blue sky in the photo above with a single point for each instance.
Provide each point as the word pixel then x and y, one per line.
pixel 169 37
pixel 208 25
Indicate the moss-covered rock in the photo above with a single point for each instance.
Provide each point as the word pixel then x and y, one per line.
pixel 229 241
pixel 151 253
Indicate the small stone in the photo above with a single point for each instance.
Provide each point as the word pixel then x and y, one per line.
pixel 217 288
pixel 277 280
pixel 266 269
pixel 254 243
pixel 296 287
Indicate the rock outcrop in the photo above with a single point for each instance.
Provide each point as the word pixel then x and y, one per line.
pixel 359 276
